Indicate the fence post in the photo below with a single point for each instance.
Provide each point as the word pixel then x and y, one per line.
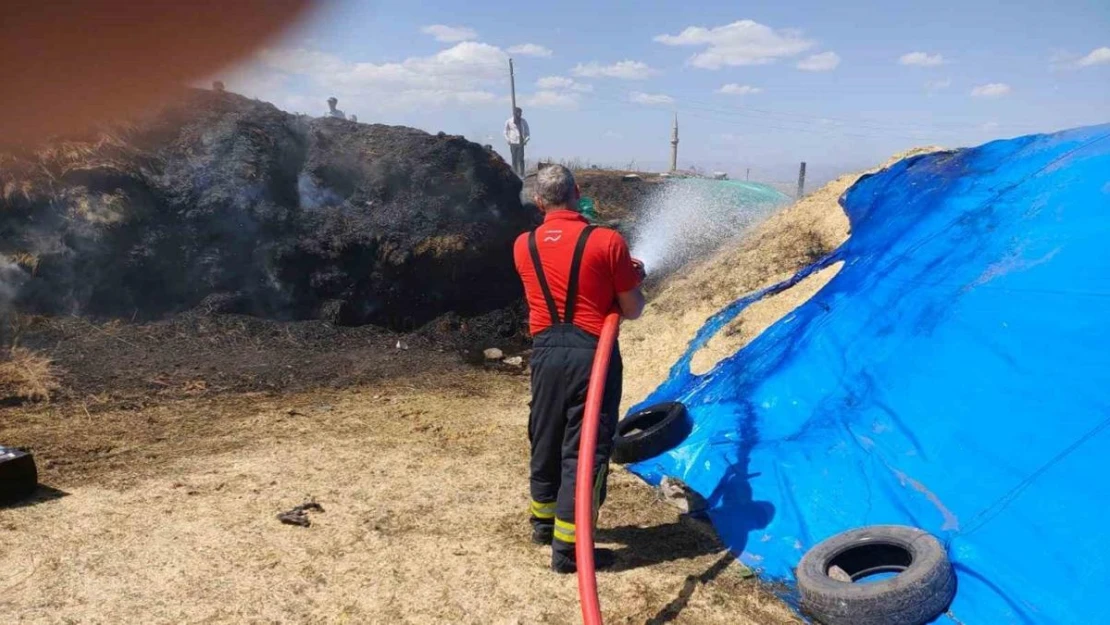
pixel 801 180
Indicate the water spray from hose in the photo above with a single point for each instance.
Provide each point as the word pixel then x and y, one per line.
pixel 692 217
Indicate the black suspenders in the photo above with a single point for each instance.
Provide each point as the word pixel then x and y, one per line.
pixel 572 285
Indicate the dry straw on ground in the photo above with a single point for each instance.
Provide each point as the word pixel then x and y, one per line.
pixel 27 376
pixel 168 513
pixel 170 517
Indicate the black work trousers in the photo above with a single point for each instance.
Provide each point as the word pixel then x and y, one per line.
pixel 561 361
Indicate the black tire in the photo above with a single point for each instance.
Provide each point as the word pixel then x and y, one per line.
pixel 18 475
pixel 921 591
pixel 650 432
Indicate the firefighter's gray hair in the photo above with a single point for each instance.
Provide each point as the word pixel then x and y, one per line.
pixel 555 186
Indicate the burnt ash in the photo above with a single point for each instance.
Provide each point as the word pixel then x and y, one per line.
pixel 230 205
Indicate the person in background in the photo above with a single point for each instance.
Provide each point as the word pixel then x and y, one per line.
pixel 518 135
pixel 334 112
pixel 574 275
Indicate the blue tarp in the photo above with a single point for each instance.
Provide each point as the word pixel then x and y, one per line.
pixel 954 376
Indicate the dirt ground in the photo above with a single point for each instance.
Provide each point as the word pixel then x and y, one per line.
pixel 165 513
pixel 173 446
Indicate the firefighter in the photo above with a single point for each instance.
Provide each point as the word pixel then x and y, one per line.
pixel 574 274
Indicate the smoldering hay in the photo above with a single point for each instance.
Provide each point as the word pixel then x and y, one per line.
pixel 227 202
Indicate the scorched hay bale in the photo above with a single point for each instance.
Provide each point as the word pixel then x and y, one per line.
pixel 272 214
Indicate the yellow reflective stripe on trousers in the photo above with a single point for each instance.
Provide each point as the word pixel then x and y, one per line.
pixel 564 531
pixel 543 510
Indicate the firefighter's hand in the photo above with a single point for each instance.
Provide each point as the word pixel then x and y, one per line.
pixel 640 270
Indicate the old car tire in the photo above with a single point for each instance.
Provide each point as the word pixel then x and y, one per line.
pixel 649 432
pixel 18 475
pixel 921 590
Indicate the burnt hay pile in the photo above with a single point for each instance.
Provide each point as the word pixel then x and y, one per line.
pixel 226 204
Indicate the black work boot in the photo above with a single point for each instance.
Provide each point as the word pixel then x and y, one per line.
pixel 543 533
pixel 563 562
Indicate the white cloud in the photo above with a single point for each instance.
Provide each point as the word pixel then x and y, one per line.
pixel 443 98
pixel 735 89
pixel 557 92
pixel 459 67
pixel 450 34
pixel 740 43
pixel 1064 60
pixel 933 86
pixel 991 90
pixel 650 99
pixel 564 83
pixel 989 126
pixel 530 49
pixel 552 100
pixel 554 82
pixel 1061 59
pixel 625 70
pixel 464 74
pixel 1098 56
pixel 300 61
pixel 824 62
pixel 921 59
pixel 609 134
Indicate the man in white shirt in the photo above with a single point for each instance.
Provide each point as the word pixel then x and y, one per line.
pixel 517 134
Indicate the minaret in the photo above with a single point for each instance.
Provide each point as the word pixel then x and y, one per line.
pixel 674 144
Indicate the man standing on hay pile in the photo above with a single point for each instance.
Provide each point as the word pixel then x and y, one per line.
pixel 518 135
pixel 574 274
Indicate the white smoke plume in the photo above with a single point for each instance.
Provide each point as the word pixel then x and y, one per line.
pixel 312 196
pixel 11 278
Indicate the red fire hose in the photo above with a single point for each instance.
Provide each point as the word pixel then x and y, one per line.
pixel 583 490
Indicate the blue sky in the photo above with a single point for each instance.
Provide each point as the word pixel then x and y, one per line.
pixel 760 85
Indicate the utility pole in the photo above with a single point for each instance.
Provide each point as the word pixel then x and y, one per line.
pixel 512 111
pixel 674 144
pixel 801 180
pixel 512 89
pixel 748 176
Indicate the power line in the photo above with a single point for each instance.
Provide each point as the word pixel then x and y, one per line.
pixel 800 118
pixel 806 126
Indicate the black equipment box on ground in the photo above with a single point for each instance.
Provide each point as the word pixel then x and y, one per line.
pixel 18 475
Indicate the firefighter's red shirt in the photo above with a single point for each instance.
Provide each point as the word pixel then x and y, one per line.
pixel 606 270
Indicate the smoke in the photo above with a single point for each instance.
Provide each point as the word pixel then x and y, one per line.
pixel 313 196
pixel 12 278
pixel 233 204
pixel 692 217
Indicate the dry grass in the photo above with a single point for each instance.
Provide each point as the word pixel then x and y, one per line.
pixel 169 509
pixel 172 518
pixel 757 318
pixel 785 243
pixel 27 376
